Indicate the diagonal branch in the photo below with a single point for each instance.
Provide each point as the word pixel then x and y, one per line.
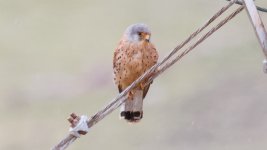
pixel 239 2
pixel 153 72
pixel 257 24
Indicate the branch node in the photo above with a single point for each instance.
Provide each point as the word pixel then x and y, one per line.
pixel 79 125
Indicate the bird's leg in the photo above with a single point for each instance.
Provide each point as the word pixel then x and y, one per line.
pixel 153 73
pixel 142 85
pixel 130 95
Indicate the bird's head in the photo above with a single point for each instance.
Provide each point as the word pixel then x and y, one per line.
pixel 138 32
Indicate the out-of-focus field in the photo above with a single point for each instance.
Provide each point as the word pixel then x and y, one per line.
pixel 56 58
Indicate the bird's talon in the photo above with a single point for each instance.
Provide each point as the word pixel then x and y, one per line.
pixel 142 85
pixel 131 94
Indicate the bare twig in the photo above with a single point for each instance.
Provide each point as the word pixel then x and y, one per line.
pixel 170 63
pixel 257 24
pixel 258 27
pixel 153 72
pixel 239 2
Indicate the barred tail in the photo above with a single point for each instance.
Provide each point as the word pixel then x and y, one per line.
pixel 132 109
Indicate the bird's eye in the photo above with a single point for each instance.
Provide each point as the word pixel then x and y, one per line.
pixel 139 33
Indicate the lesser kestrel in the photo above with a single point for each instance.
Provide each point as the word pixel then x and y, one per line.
pixel 134 55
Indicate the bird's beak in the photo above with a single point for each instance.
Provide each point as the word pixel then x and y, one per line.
pixel 147 37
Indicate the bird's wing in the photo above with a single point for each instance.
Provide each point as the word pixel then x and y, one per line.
pixel 145 90
pixel 153 52
pixel 117 64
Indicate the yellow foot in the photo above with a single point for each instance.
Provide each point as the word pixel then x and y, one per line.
pixel 130 95
pixel 142 86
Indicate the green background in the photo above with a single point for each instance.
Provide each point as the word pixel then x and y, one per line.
pixel 56 58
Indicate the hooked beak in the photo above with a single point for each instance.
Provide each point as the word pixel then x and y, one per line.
pixel 147 37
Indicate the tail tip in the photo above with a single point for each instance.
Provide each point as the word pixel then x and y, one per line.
pixel 132 116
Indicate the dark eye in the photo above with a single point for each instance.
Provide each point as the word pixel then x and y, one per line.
pixel 139 33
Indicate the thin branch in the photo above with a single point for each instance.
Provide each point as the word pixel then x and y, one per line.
pixel 257 24
pixel 201 39
pixel 239 2
pixel 153 72
pixel 194 34
pixel 259 28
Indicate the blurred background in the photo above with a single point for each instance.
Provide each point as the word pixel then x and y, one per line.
pixel 56 58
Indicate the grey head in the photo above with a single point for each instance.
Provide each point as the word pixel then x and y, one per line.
pixel 137 32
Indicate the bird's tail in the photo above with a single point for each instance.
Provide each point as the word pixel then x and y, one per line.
pixel 132 109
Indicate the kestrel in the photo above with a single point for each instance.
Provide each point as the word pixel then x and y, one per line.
pixel 134 55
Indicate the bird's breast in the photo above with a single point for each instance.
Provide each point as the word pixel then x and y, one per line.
pixel 133 60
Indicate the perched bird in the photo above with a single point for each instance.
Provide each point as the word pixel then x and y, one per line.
pixel 134 55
